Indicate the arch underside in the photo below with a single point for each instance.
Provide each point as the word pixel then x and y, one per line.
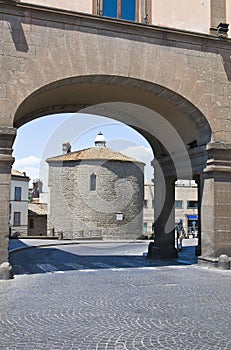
pixel 153 110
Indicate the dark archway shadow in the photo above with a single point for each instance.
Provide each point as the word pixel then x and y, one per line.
pixel 37 260
pixel 16 243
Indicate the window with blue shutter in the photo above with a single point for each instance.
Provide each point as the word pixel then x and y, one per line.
pixel 110 8
pixel 128 10
pixel 125 9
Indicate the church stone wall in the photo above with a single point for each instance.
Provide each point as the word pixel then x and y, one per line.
pixel 79 212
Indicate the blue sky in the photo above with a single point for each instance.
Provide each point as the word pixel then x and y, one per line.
pixel 43 138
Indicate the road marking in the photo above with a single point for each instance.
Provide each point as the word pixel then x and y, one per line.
pixel 103 265
pixel 47 267
pixel 75 266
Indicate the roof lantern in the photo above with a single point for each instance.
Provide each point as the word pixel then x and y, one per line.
pixel 100 140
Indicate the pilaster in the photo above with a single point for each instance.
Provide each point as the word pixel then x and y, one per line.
pixel 216 202
pixel 218 13
pixel 7 136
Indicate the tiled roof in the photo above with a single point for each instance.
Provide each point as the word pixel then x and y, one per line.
pixel 94 153
pixel 37 208
pixel 15 172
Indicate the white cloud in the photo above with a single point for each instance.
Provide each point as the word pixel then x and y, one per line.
pixel 31 165
pixel 28 161
pixel 143 154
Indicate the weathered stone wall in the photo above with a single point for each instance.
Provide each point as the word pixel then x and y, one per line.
pixel 79 212
pixel 196 16
pixel 195 67
pixel 39 226
pixel 182 64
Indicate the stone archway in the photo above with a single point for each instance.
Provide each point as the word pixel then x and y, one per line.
pixel 170 131
pixel 54 61
pixel 170 141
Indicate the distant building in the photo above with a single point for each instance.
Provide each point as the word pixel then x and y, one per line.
pixel 37 219
pixel 18 203
pixel 35 191
pixel 148 209
pixel 96 192
pixel 37 210
pixel 186 206
pixel 43 197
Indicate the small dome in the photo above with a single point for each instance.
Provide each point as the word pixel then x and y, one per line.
pixel 100 140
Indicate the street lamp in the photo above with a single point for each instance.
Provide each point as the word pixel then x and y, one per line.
pixel 222 28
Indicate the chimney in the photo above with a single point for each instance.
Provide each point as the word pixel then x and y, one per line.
pixel 66 147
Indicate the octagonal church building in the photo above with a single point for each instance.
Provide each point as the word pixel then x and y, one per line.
pixel 95 192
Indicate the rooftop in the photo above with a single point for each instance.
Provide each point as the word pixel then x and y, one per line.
pixel 18 173
pixel 93 153
pixel 37 208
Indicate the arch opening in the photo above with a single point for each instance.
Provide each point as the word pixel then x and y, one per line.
pixel 172 125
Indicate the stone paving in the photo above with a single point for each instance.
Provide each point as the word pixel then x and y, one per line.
pixel 162 307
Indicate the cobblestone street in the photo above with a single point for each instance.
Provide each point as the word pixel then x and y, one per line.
pixel 162 307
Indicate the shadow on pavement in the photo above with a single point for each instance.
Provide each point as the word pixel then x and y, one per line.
pixel 40 260
pixel 15 243
pixel 188 255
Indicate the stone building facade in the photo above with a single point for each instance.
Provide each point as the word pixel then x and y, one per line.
pixel 96 192
pixel 18 203
pixel 186 206
pixel 196 16
pixel 37 219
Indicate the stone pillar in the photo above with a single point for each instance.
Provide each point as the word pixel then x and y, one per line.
pixel 164 215
pixel 7 136
pixel 216 203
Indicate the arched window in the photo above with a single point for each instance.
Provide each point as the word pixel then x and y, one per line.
pixel 92 182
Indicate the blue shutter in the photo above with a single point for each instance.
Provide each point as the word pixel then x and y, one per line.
pixel 129 10
pixel 110 8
